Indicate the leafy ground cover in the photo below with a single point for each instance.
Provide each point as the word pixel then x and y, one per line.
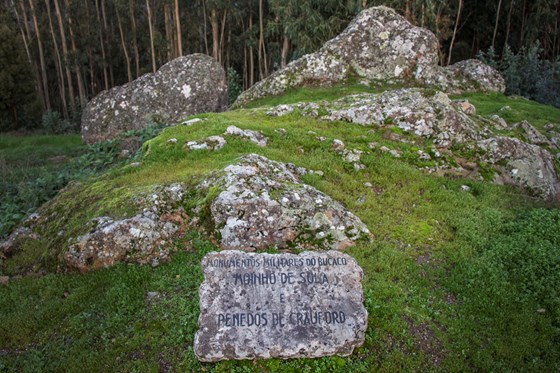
pixel 454 280
pixel 32 170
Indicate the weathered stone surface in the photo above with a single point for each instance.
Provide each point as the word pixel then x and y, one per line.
pixel 499 122
pixel 280 110
pixel 431 114
pixel 469 76
pixel 262 203
pixel 210 143
pixel 421 112
pixel 193 121
pixel 13 243
pixel 279 305
pixel 527 166
pixel 379 44
pixel 465 106
pixel 337 145
pixel 141 239
pixel 253 136
pixel 185 86
pixel 532 135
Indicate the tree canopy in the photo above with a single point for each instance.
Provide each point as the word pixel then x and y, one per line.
pixel 78 48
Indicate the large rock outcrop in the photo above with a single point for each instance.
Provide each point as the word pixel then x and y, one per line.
pixel 468 76
pixel 262 203
pixel 185 86
pixel 450 126
pixel 143 238
pixel 524 165
pixel 421 112
pixel 379 45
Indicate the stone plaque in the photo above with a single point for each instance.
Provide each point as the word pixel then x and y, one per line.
pixel 279 305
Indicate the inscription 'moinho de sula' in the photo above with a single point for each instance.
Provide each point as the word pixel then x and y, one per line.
pixel 279 305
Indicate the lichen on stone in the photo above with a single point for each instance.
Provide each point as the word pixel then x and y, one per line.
pixel 262 203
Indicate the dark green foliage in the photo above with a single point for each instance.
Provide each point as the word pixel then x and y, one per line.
pixel 23 190
pixel 527 74
pixel 235 85
pixel 308 24
pixel 18 101
pixel 53 124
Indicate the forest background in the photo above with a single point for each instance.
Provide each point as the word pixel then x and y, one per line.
pixel 57 54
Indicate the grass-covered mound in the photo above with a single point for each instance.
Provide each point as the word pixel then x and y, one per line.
pixel 455 279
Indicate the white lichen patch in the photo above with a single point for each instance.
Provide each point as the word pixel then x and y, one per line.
pixel 186 90
pixel 263 203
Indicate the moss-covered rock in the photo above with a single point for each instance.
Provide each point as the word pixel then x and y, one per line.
pixel 184 86
pixel 262 203
pixel 378 46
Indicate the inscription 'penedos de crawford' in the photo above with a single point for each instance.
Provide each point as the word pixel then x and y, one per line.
pixel 279 305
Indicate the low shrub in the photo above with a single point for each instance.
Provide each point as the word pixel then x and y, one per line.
pixel 526 74
pixel 22 191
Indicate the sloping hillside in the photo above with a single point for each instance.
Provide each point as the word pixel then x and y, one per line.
pixel 460 273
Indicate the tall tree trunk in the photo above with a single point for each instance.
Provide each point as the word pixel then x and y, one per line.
pixel 150 27
pixel 522 28
pixel 65 53
pixel 508 26
pixel 134 37
pixel 263 65
pixel 223 28
pixel 245 73
pixel 229 44
pixel 102 43
pixel 205 26
pixel 44 78
pixel 438 33
pixel 285 42
pixel 168 33
pixel 25 36
pixel 124 46
pixel 215 33
pixel 81 91
pixel 178 27
pixel 454 31
pixel 59 71
pixel 496 24
pixel 89 53
pixel 554 53
pixel 408 11
pixel 108 32
pixel 285 51
pixel 251 55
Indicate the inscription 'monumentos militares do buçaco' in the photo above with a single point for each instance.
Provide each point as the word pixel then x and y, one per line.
pixel 279 305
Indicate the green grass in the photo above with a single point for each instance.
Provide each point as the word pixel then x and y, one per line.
pixel 521 108
pixel 32 170
pixel 31 150
pixel 453 280
pixel 310 94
